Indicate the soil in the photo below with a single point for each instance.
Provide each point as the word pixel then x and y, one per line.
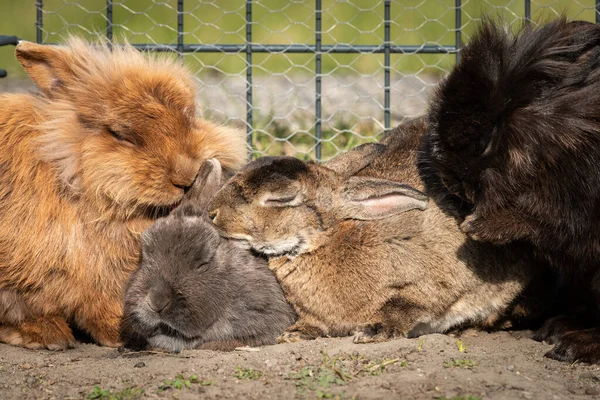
pixel 500 365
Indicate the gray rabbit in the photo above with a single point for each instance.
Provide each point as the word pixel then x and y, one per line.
pixel 194 289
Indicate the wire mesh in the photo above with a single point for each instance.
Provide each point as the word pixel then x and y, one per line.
pixel 304 78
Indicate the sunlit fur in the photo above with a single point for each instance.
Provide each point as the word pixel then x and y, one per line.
pixel 74 197
pixel 407 273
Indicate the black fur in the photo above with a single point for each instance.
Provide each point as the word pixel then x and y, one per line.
pixel 515 133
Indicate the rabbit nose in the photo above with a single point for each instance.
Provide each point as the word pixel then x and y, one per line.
pixel 185 171
pixel 185 188
pixel 158 302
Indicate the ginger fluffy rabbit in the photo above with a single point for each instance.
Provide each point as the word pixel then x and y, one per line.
pixel 112 142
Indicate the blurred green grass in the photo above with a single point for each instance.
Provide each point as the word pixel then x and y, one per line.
pixel 358 22
pixel 414 22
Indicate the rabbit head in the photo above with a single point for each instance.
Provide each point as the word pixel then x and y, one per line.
pixel 284 206
pixel 121 128
pixel 175 294
pixel 193 287
pixel 493 116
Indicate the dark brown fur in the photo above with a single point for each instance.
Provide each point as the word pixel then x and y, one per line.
pixel 515 136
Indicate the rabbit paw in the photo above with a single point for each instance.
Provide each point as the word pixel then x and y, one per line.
pixel 468 227
pixel 555 328
pixel 582 345
pixel 290 337
pixel 108 340
pixel 104 330
pixel 374 333
pixel 52 333
pixel 298 333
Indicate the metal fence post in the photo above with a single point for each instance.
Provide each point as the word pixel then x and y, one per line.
pixel 458 24
pixel 180 29
pixel 109 20
pixel 39 8
pixel 249 129
pixel 318 34
pixel 386 64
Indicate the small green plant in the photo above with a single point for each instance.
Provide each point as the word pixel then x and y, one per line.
pixel 247 373
pixel 126 394
pixel 377 367
pixel 461 346
pixel 338 370
pixel 98 393
pixel 463 363
pixel 421 343
pixel 181 382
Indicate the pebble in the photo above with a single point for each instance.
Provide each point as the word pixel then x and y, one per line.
pixel 510 367
pixel 592 391
pixel 590 376
pixel 247 349
pixel 141 364
pixel 527 395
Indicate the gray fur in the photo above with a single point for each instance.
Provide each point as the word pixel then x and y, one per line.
pixel 215 294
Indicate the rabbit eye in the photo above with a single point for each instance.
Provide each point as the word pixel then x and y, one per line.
pixel 119 136
pixel 281 201
pixel 202 266
pixel 284 201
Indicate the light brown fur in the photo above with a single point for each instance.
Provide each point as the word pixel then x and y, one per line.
pixel 367 256
pixel 109 146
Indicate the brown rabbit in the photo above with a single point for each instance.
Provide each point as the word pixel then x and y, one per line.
pixel 112 143
pixel 358 253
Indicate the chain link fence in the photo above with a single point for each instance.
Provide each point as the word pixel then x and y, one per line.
pixel 304 78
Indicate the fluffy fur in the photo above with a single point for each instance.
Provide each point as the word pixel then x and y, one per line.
pixel 112 142
pixel 515 135
pixel 196 289
pixel 360 248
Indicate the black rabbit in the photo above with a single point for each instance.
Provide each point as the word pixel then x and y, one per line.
pixel 515 135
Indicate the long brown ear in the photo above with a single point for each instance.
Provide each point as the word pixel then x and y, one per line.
pixel 371 198
pixel 206 185
pixel 352 162
pixel 48 66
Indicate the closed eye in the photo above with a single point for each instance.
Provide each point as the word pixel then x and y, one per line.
pixel 202 266
pixel 272 200
pixel 119 136
pixel 280 202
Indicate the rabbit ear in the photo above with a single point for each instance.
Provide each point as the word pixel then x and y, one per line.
pixel 287 194
pixel 352 162
pixel 48 66
pixel 206 185
pixel 370 198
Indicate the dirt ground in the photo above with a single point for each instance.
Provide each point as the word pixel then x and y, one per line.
pixel 476 365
